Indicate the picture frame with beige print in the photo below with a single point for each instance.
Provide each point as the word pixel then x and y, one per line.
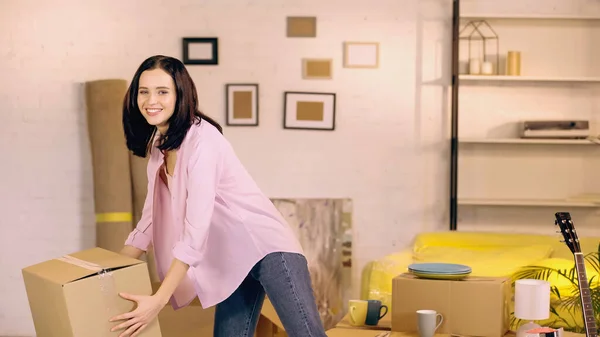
pixel 301 26
pixel 319 69
pixel 309 110
pixel 241 104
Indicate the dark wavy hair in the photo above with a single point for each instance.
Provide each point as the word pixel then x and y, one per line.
pixel 138 132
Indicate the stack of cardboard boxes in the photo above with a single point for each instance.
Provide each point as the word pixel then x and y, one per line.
pixel 76 295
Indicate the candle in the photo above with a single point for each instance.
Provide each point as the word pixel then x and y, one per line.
pixel 487 68
pixel 513 66
pixel 474 67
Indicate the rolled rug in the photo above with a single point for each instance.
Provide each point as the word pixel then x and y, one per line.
pixel 139 178
pixel 110 162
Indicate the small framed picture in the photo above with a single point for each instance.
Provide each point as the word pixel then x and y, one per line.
pixel 241 104
pixel 309 110
pixel 201 50
pixel 361 54
pixel 301 26
pixel 317 68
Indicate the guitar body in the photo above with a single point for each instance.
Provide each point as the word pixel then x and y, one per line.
pixel 564 221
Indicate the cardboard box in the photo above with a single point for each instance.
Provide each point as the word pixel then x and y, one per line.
pixel 385 324
pixel 189 321
pixel 269 324
pixel 194 321
pixel 345 332
pixel 344 329
pixel 475 306
pixel 75 295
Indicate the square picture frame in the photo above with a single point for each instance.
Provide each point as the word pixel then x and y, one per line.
pixel 361 54
pixel 200 50
pixel 309 110
pixel 241 104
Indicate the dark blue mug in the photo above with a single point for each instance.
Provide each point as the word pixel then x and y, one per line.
pixel 374 312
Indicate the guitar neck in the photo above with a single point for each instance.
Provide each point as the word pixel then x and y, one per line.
pixel 586 297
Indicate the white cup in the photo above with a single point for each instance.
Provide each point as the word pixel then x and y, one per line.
pixel 427 322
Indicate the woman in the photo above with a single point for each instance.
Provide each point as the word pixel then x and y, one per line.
pixel 215 235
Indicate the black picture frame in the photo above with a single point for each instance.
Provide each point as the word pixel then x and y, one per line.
pixel 213 41
pixel 328 125
pixel 229 118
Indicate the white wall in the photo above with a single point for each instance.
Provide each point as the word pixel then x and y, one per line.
pixel 388 152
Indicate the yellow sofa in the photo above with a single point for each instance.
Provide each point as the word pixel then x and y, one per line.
pixel 488 254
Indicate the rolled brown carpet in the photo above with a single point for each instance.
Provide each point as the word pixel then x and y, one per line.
pixel 110 162
pixel 139 179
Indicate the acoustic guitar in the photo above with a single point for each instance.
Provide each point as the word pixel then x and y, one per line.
pixel 563 220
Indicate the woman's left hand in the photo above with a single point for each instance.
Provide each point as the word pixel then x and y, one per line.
pixel 137 320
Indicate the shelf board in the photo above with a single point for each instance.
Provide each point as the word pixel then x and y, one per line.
pixel 531 202
pixel 490 16
pixel 506 78
pixel 527 141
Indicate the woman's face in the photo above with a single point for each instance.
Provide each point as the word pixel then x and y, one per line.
pixel 156 97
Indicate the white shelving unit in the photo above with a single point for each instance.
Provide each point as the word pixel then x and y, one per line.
pixel 520 183
pixel 505 78
pixel 491 16
pixel 530 202
pixel 530 141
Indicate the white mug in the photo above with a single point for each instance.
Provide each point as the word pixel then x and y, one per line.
pixel 427 322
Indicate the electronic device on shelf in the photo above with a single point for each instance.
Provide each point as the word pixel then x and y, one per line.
pixel 563 220
pixel 564 129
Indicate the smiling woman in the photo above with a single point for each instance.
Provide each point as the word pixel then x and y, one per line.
pixel 164 83
pixel 156 98
pixel 216 236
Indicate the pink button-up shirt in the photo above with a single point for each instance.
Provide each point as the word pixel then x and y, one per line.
pixel 212 217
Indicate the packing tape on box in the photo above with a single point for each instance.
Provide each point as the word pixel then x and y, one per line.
pixel 114 217
pixel 81 263
pixel 107 283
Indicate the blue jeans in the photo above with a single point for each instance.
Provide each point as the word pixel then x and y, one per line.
pixel 286 280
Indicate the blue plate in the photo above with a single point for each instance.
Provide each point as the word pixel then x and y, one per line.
pixel 440 276
pixel 440 268
pixel 433 273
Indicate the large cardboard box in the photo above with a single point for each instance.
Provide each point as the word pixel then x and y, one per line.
pixel 269 324
pixel 195 321
pixel 189 321
pixel 475 306
pixel 75 295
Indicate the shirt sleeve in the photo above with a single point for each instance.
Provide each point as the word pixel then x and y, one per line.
pixel 203 176
pixel 141 236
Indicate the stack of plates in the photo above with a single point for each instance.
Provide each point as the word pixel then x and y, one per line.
pixel 440 271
